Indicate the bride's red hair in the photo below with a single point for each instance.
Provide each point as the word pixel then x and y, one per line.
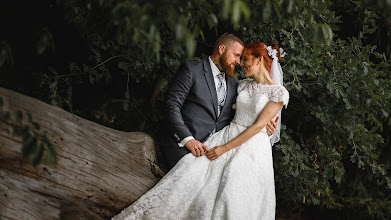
pixel 258 49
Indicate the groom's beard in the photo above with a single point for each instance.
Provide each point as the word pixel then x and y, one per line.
pixel 226 67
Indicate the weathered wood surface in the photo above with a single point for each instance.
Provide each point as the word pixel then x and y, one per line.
pixel 99 172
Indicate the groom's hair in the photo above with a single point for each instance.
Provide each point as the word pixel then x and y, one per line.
pixel 227 39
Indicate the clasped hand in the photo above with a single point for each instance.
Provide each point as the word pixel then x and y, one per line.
pixel 199 149
pixel 216 152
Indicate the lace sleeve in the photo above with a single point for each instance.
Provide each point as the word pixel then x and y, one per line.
pixel 279 94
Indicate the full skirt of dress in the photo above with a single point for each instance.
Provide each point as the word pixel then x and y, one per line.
pixel 237 185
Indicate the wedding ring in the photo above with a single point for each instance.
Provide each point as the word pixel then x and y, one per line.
pixel 196 149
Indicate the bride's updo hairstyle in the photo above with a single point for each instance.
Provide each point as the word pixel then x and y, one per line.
pixel 258 49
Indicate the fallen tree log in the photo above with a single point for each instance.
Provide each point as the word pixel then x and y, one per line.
pixel 99 171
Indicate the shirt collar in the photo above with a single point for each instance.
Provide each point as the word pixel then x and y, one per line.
pixel 215 70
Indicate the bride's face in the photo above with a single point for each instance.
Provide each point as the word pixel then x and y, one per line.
pixel 249 64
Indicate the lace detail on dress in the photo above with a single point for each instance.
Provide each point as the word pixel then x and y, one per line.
pixel 279 94
pixel 276 93
pixel 243 84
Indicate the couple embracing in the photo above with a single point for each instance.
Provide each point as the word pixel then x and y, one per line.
pixel 221 157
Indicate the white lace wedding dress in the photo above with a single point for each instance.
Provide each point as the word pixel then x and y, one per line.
pixel 237 185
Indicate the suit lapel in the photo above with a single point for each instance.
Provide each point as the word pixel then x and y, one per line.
pixel 211 84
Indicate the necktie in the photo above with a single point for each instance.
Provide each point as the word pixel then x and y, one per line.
pixel 220 93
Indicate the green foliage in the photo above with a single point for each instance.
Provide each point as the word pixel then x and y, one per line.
pixel 337 93
pixel 35 144
pixel 334 150
pixel 146 22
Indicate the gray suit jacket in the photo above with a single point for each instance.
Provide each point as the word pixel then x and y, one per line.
pixel 191 104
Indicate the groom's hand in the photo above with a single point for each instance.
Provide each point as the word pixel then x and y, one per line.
pixel 197 148
pixel 271 127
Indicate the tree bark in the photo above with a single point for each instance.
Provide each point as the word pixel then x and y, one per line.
pixel 99 171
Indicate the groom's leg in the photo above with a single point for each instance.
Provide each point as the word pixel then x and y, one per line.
pixel 173 154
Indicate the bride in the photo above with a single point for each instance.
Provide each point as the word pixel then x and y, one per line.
pixel 234 179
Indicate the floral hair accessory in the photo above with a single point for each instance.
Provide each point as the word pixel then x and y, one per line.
pixel 273 52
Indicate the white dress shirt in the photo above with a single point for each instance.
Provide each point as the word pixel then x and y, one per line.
pixel 215 72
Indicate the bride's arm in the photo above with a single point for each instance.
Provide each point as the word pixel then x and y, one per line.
pixel 269 111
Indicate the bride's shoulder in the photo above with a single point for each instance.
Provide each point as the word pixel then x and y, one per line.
pixel 278 93
pixel 275 92
pixel 278 87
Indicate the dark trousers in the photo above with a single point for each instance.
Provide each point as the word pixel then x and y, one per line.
pixel 172 154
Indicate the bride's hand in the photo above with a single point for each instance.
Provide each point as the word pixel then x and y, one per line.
pixel 216 152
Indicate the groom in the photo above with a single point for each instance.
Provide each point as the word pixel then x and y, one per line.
pixel 199 101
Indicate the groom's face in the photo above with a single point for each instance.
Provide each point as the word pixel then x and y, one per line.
pixel 230 58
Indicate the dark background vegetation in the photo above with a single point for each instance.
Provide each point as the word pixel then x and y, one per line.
pixel 111 62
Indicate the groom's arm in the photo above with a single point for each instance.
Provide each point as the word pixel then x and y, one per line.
pixel 176 96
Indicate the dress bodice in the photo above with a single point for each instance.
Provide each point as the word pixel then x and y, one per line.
pixel 253 97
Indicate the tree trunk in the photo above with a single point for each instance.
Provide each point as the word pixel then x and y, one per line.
pixel 99 171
